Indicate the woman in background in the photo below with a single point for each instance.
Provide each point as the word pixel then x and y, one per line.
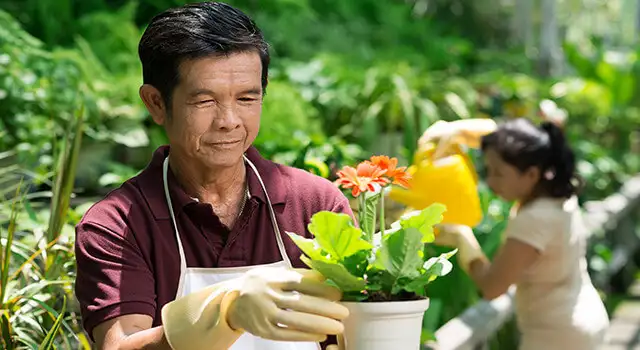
pixel 557 307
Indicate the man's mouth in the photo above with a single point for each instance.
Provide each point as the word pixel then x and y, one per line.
pixel 222 143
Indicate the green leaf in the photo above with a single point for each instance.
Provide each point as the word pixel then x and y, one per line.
pixel 308 246
pixel 368 216
pixel 336 234
pixel 400 253
pixel 424 220
pixel 48 342
pixel 355 296
pixel 357 263
pixel 439 266
pixel 338 274
pixel 5 327
pixel 434 267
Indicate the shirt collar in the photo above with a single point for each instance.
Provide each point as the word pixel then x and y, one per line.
pixel 152 188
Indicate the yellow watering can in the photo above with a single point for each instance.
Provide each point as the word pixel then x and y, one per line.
pixel 450 180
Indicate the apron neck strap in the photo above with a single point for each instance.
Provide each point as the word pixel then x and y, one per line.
pixel 272 214
pixel 165 181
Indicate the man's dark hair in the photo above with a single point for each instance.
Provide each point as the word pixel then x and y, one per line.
pixel 195 31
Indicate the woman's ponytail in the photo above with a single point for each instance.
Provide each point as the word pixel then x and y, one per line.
pixel 559 175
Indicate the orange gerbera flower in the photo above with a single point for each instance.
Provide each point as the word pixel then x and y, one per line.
pixel 399 176
pixel 362 178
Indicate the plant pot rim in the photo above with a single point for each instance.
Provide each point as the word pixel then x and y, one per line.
pixel 389 307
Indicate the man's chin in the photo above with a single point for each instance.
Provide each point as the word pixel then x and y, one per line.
pixel 224 159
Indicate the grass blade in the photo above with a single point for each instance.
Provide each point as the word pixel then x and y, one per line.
pixel 33 257
pixel 48 342
pixel 5 326
pixel 65 178
pixel 6 255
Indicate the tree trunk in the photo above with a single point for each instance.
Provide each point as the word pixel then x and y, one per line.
pixel 550 59
pixel 522 24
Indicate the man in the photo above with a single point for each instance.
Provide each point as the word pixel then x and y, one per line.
pixel 191 253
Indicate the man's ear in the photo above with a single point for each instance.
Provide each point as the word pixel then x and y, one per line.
pixel 152 99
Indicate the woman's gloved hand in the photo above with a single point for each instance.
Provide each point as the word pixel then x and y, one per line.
pixel 283 304
pixel 272 303
pixel 461 237
pixel 466 132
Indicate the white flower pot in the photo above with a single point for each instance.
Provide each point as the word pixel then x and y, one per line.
pixel 384 325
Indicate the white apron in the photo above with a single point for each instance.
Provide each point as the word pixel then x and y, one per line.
pixel 195 278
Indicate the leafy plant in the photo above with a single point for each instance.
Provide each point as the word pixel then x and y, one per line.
pixel 389 265
pixel 37 307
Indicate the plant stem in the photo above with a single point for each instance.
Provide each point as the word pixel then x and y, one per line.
pixel 372 229
pixel 362 216
pixel 382 225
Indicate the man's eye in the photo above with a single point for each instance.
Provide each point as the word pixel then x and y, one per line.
pixel 204 102
pixel 247 99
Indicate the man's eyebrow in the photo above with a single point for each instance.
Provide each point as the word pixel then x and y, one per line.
pixel 252 91
pixel 198 92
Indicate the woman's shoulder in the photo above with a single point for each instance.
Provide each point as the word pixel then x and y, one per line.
pixel 547 210
pixel 551 205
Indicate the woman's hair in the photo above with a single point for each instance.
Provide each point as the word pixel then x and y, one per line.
pixel 522 144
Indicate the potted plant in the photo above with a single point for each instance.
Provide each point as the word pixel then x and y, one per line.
pixel 382 274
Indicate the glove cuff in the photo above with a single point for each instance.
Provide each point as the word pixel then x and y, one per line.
pixel 198 321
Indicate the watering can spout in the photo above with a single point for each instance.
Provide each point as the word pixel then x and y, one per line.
pixel 450 180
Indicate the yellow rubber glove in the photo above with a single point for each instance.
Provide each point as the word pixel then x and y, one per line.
pixel 461 237
pixel 272 303
pixel 467 132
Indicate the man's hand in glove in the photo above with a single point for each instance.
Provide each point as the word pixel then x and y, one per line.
pixel 284 304
pixel 272 303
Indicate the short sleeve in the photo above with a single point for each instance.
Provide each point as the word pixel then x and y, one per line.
pixel 112 278
pixel 342 205
pixel 532 227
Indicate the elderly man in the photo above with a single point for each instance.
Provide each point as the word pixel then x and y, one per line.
pixel 191 253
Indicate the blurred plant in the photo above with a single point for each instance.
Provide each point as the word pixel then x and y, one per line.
pixel 38 88
pixel 37 304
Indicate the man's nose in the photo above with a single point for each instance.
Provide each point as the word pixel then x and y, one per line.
pixel 228 117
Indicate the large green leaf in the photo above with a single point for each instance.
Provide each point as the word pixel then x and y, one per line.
pixel 425 220
pixel 337 273
pixel 400 253
pixel 336 234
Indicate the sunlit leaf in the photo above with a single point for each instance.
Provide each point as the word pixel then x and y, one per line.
pixel 424 220
pixel 338 274
pixel 336 234
pixel 400 251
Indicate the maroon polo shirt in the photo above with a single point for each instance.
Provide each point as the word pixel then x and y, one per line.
pixel 126 250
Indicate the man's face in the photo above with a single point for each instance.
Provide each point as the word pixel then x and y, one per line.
pixel 216 107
